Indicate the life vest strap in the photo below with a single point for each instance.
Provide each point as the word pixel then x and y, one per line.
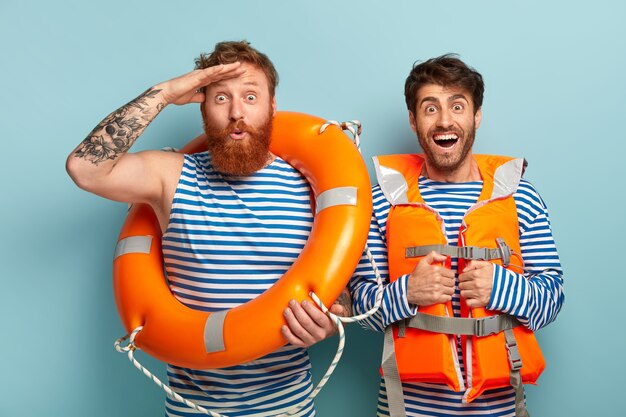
pixel 480 327
pixel 391 375
pixel 515 377
pixel 503 251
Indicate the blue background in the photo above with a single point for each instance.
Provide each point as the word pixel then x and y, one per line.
pixel 555 94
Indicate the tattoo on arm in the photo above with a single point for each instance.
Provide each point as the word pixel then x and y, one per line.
pixel 114 135
pixel 345 300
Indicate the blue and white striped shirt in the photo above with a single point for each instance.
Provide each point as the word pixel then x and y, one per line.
pixel 228 240
pixel 534 297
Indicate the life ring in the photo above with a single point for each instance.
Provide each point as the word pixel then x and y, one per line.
pixel 182 336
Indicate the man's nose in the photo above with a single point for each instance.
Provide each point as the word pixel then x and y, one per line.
pixel 445 118
pixel 236 110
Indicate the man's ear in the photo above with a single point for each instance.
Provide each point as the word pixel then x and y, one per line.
pixel 412 122
pixel 202 110
pixel 273 106
pixel 478 117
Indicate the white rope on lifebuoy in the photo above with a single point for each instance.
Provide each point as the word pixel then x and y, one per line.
pixel 354 127
pixel 130 348
pixel 349 126
pixel 339 322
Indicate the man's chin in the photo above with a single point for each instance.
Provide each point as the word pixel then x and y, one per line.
pixel 241 154
pixel 239 164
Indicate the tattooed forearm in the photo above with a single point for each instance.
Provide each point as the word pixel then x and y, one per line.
pixel 114 135
pixel 345 300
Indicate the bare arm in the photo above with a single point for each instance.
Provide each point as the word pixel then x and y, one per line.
pixel 114 135
pixel 101 163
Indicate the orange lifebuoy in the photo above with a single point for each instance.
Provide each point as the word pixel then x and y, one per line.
pixel 179 335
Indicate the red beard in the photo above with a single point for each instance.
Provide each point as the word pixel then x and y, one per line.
pixel 239 157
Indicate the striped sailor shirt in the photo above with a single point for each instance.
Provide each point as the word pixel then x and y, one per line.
pixel 534 297
pixel 229 239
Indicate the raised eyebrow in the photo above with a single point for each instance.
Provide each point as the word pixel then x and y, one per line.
pixel 429 99
pixel 458 97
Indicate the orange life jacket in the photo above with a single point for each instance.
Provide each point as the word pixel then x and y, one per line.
pixel 489 231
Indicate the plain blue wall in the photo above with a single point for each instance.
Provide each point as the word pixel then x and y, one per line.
pixel 555 92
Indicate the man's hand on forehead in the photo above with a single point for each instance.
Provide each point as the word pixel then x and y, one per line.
pixel 218 73
pixel 187 87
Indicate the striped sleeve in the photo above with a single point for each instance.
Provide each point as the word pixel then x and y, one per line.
pixel 536 296
pixel 363 284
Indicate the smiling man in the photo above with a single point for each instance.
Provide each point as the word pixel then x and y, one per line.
pixel 225 240
pixel 470 263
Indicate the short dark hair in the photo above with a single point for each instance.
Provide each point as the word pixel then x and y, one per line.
pixel 228 52
pixel 448 71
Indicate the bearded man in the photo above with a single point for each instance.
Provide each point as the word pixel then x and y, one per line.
pixel 470 263
pixel 222 212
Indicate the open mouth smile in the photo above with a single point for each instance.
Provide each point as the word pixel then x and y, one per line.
pixel 446 140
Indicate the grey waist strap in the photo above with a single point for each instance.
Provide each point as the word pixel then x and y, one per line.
pixel 484 326
pixel 503 251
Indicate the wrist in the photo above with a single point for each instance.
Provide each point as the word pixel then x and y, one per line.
pixel 409 305
pixel 160 95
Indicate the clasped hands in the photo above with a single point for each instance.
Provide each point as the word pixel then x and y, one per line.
pixel 432 283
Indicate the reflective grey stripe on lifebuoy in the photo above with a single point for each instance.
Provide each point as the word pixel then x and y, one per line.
pixel 133 244
pixel 214 332
pixel 339 196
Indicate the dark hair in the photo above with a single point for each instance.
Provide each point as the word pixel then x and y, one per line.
pixel 448 71
pixel 240 51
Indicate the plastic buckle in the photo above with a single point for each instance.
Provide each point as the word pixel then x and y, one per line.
pixel 410 252
pixel 515 360
pixel 473 252
pixel 486 326
pixel 505 251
